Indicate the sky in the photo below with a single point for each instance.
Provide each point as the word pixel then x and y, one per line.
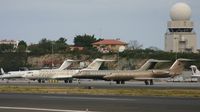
pixel 141 20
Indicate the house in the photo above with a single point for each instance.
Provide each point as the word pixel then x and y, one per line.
pixel 109 45
pixel 10 42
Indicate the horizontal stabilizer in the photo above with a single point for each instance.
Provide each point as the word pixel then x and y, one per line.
pixel 150 64
pixel 159 61
pixel 102 60
pixel 184 59
pixel 66 64
pixel 95 65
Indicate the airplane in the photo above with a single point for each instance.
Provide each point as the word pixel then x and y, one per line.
pixel 12 74
pixel 148 75
pixel 195 72
pixel 66 75
pixel 99 75
pixel 20 74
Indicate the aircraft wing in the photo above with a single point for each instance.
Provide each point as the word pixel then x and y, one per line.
pixel 62 77
pixel 142 79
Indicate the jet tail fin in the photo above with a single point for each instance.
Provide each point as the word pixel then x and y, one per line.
pixel 195 71
pixel 2 71
pixel 150 64
pixel 95 65
pixel 66 64
pixel 178 66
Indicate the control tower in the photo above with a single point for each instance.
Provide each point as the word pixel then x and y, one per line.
pixel 180 36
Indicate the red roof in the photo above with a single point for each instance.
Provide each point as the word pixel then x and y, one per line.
pixel 109 42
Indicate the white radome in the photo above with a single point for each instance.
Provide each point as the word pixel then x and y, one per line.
pixel 180 11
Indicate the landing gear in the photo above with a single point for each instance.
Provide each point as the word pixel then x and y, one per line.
pixel 120 82
pixel 151 82
pixel 41 81
pixel 117 82
pixel 147 82
pixel 68 81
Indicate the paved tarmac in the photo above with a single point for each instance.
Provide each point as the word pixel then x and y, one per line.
pixel 84 103
pixel 106 84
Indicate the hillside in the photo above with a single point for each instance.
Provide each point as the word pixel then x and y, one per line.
pixel 127 60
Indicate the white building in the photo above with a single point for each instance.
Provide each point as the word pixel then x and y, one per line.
pixel 12 42
pixel 180 36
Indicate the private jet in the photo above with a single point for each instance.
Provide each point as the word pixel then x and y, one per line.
pixel 66 75
pixel 22 74
pixel 100 74
pixel 148 75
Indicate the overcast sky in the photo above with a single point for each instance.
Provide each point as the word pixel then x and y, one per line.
pixel 141 20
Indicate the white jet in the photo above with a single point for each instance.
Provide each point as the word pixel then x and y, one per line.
pixel 22 74
pixel 65 75
pixel 12 74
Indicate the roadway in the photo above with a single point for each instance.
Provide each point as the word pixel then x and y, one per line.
pixel 84 103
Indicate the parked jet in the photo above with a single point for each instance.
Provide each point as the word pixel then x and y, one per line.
pixel 149 64
pixel 148 75
pixel 20 74
pixel 65 75
pixel 12 74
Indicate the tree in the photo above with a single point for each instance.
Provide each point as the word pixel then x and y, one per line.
pixel 6 47
pixel 153 48
pixel 60 44
pixel 21 46
pixel 134 44
pixel 44 46
pixel 84 40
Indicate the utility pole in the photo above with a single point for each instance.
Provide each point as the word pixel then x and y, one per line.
pixel 52 64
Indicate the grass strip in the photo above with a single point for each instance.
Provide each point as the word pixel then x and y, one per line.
pixel 119 91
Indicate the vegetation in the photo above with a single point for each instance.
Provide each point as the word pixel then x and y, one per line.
pixel 46 46
pixel 85 40
pixel 6 48
pixel 12 58
pixel 11 61
pixel 22 46
pixel 92 91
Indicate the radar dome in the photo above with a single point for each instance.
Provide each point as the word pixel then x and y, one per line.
pixel 180 11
